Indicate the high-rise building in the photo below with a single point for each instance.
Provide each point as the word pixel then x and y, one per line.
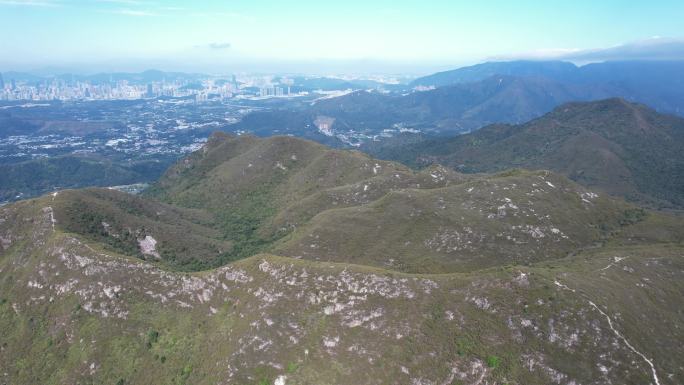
pixel 2 83
pixel 14 84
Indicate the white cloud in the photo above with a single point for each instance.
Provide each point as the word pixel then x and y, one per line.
pixel 654 48
pixel 219 45
pixel 132 12
pixel 31 3
pixel 127 2
pixel 225 14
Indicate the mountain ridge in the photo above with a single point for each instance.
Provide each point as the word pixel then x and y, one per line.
pixel 494 92
pixel 587 141
pixel 477 72
pixel 100 316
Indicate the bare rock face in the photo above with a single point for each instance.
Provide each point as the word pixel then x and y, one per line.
pixel 148 246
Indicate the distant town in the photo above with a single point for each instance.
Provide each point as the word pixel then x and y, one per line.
pixel 201 88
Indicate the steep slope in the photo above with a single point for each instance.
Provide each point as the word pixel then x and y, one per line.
pixel 623 148
pixel 184 239
pixel 72 312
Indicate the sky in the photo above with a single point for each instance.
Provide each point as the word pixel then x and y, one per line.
pixel 352 35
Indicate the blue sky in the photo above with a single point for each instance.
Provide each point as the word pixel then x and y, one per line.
pixel 264 34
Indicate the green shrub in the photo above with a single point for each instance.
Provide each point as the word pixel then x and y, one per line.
pixel 493 361
pixel 292 367
pixel 152 338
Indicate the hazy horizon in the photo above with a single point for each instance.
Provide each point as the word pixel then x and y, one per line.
pixel 313 37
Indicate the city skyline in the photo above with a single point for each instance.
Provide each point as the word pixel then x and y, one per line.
pixel 303 36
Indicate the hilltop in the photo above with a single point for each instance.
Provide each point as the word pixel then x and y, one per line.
pixel 623 148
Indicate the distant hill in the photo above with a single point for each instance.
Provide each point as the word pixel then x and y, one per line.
pixel 659 84
pixel 39 176
pixel 20 76
pixel 303 83
pixel 16 124
pixel 623 148
pixel 472 97
pixel 556 70
pixel 446 110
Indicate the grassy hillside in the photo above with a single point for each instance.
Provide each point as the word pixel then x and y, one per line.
pixel 622 148
pixel 517 217
pixel 185 239
pixel 241 195
pixel 95 316
pixel 386 275
pixel 260 190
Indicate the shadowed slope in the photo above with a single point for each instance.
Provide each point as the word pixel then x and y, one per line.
pixel 623 148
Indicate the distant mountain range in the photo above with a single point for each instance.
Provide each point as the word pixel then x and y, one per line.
pixel 446 110
pixel 628 72
pixel 658 84
pixel 623 148
pixel 469 98
pixel 555 70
